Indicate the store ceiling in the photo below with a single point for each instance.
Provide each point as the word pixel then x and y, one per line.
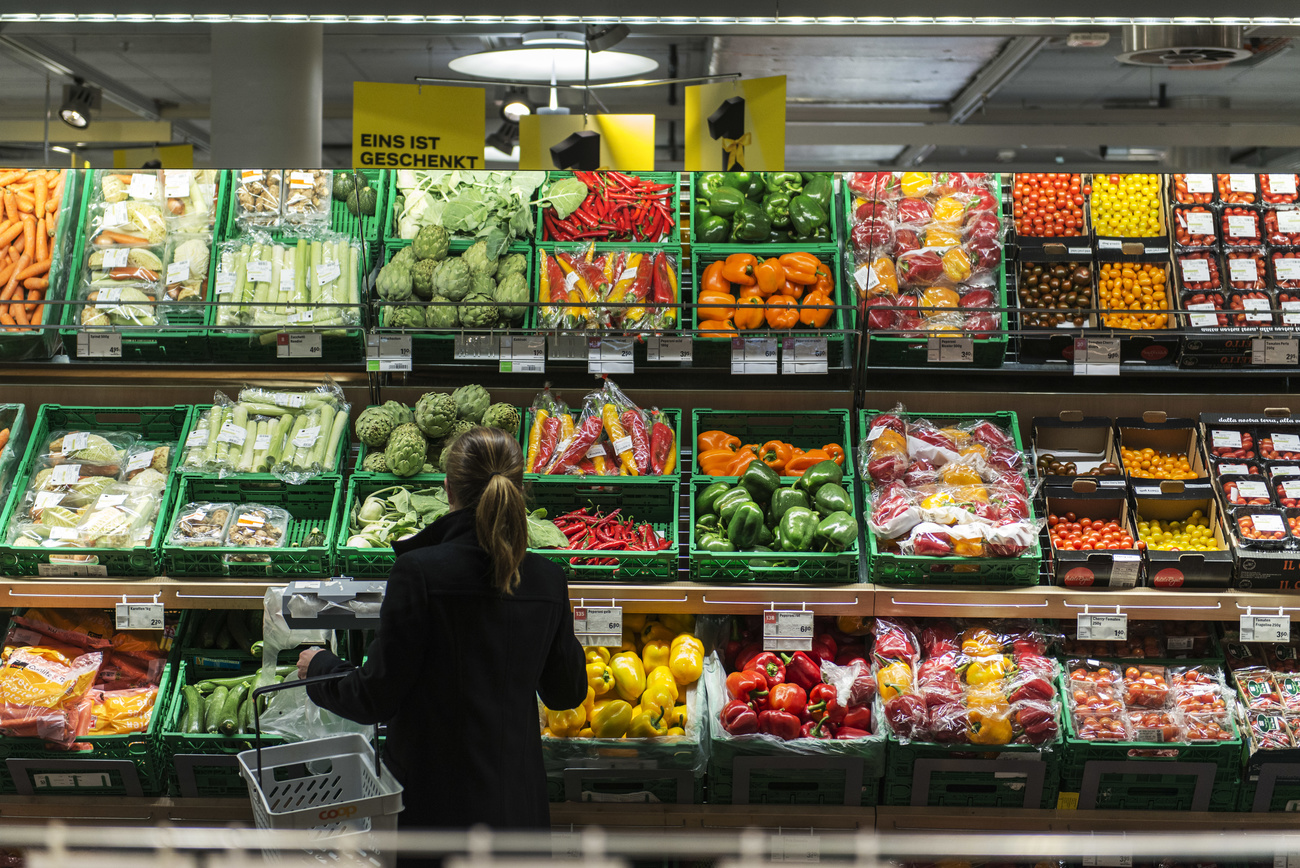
pixel 854 100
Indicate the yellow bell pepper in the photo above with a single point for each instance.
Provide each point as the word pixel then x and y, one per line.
pixel 599 679
pixel 893 679
pixel 590 703
pixel 631 641
pixel 988 695
pixel 677 717
pixel 585 732
pixel 655 631
pixel 629 675
pixel 678 623
pixel 989 724
pixel 980 642
pixel 686 660
pixel 566 723
pixel 654 653
pixel 664 676
pixel 612 719
pixel 648 724
pixel 657 698
pixel 675 730
pixel 634 621
pixel 968 548
pixel 595 653
pixel 988 670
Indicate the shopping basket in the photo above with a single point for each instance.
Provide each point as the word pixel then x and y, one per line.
pixel 336 786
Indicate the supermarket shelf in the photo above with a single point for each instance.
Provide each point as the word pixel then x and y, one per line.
pixel 1055 602
pixel 172 593
pixel 120 811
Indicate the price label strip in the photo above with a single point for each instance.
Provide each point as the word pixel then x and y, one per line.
pixel 610 356
pixel 1265 628
pixel 568 347
pixel 787 631
pixel 753 355
pixel 139 616
pixel 477 347
pixel 388 353
pixel 599 626
pixel 1275 351
pixel 1102 628
pixel 804 356
pixel 666 348
pixel 520 355
pixel 99 345
pixel 950 350
pixel 1096 357
pixel 305 345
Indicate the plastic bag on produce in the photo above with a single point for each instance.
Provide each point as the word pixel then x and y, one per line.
pixel 875 277
pixel 854 684
pixel 44 694
pixel 292 715
pixel 894 641
pixel 191 198
pixel 111 186
pixel 1269 731
pixel 331 296
pixel 202 524
pixel 116 712
pixel 278 636
pixel 572 450
pixel 894 511
pixel 257 197
pixel 1035 722
pixel 186 275
pixel 141 267
pixel 546 416
pixel 83 629
pixel 570 300
pixel 307 195
pixel 126 224
pixel 98 454
pixel 624 283
pixel 253 525
pixel 874 186
pixel 121 306
pixel 147 465
pixel 122 518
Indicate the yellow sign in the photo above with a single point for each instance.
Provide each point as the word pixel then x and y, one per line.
pixel 627 142
pixel 736 125
pixel 171 157
pixel 417 126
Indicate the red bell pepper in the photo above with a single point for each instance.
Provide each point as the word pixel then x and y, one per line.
pixel 939 638
pixel 817 729
pixel 824 705
pixel 906 713
pixel 747 653
pixel 781 724
pixel 844 733
pixel 893 642
pixel 863 688
pixel 803 670
pixel 769 665
pixel 848 653
pixel 788 697
pixel 858 716
pixel 738 718
pixel 1033 687
pixel 748 687
pixel 824 647
pixel 1037 721
pixel 920 268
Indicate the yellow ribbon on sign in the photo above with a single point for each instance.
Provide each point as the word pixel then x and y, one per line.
pixel 735 149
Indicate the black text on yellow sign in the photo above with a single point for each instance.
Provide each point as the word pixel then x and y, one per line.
pixel 408 126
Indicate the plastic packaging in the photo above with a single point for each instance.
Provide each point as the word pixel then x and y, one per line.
pixel 126 224
pixel 111 186
pixel 190 199
pixel 309 282
pixel 45 694
pixel 202 524
pixel 257 197
pixel 307 195
pixel 116 306
pixel 186 272
pixel 124 266
pixel 253 525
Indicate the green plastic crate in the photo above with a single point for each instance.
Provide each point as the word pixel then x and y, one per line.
pixel 368 228
pixel 672 416
pixel 14 418
pixel 371 563
pixel 311 504
pixel 184 338
pixel 164 424
pixel 201 765
pixel 212 662
pixel 807 429
pixel 645 499
pixel 1271 778
pixel 791 567
pixel 674 178
pixel 839 228
pixel 392 235
pixel 922 774
pixel 716 351
pixel 550 248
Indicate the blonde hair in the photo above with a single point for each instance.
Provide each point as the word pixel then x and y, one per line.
pixel 485 472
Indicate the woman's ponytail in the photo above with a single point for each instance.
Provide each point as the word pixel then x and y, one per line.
pixel 485 473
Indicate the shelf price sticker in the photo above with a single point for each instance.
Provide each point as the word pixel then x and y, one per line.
pixel 787 631
pixel 139 616
pixel 598 626
pixel 99 345
pixel 298 345
pixel 1265 628
pixel 520 355
pixel 568 347
pixel 1124 570
pixel 610 356
pixel 1107 862
pixel 669 348
pixel 1102 628
pixel 1199 183
pixel 753 355
pixel 388 353
pixel 803 356
pixel 1096 357
pixel 796 848
pixel 477 347
pixel 1275 351
pixel 1286 859
pixel 950 350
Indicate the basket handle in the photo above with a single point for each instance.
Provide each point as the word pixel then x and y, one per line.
pixel 288 685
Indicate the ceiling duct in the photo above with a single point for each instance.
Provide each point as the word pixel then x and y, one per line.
pixel 1174 47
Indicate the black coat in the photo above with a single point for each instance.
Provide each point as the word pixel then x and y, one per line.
pixel 455 670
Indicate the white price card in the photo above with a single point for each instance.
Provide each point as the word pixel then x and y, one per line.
pixel 1124 570
pixel 668 348
pixel 143 186
pixel 225 283
pixel 522 355
pixel 1107 862
pixel 950 350
pixel 1246 270
pixel 787 631
pixel 1242 226
pixel 1199 183
pixel 1265 628
pixel 610 356
pixel 1096 357
pixel 1102 628
pixel 65 474
pixel 304 345
pixel 99 345
pixel 753 355
pixel 260 270
pixel 71 571
pixel 1275 351
pixel 139 616
pixel 803 356
pixel 1242 183
pixel 598 626
pixel 796 848
pixel 327 273
pixel 1252 489
pixel 178 272
pixel 1266 522
pixel 176 183
pixel 118 257
pixel 1195 270
pixel 388 353
pixel 1286 858
pixel 568 347
pixel 477 347
pixel 1199 222
pixel 1203 320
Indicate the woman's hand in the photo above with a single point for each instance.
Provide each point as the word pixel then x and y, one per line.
pixel 304 660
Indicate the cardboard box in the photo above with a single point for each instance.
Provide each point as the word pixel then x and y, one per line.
pixel 1112 248
pixel 1173 501
pixel 1087 441
pixel 1146 346
pixel 1094 569
pixel 1155 430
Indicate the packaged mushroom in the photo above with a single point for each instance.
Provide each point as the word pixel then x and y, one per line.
pixel 123 266
pixel 307 195
pixel 256 526
pixel 202 524
pixel 257 193
pixel 191 198
pixel 188 258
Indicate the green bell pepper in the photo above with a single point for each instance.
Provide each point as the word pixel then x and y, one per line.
pixel 806 215
pixel 708 523
pixel 822 233
pixel 818 475
pixel 714 542
pixel 724 201
pixel 820 191
pixel 782 182
pixel 837 531
pixel 765 536
pixel 783 500
pixel 737 180
pixel 777 208
pixel 713 230
pixel 729 502
pixel 746 523
pixel 755 190
pixel 831 497
pixel 707 182
pixel 749 223
pixel 703 210
pixel 760 481
pixel 779 236
pixel 706 502
pixel 798 530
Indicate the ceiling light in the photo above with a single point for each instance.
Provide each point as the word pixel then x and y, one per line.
pixel 504 138
pixel 552 55
pixel 78 100
pixel 60 149
pixel 515 105
pixel 605 37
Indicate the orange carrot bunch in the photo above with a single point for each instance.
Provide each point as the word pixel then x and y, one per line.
pixel 30 201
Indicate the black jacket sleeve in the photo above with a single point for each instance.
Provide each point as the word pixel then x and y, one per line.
pixel 564 676
pixel 373 692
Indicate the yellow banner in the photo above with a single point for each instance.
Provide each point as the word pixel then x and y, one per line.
pixel 171 157
pixel 627 142
pixel 736 125
pixel 417 126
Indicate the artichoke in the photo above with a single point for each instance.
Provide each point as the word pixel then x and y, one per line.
pixel 471 403
pixel 481 284
pixel 478 311
pixel 405 255
pixel 394 281
pixel 503 416
pixel 399 412
pixel 374 426
pixel 441 316
pixel 406 317
pixel 435 413
pixel 478 261
pixel 374 462
pixel 406 449
pixel 452 279
pixel 514 263
pixel 430 243
pixel 512 296
pixel 422 277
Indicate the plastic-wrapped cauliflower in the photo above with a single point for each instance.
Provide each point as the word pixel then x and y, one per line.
pixel 478 261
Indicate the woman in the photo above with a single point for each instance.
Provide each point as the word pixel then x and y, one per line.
pixel 472 629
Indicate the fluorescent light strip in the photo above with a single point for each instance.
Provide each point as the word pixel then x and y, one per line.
pixel 672 20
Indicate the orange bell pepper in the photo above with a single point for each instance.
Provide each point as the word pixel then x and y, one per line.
pixel 717 440
pixel 716 328
pixel 796 466
pixel 741 460
pixel 775 454
pixel 749 312
pixel 739 268
pixel 716 306
pixel 815 311
pixel 712 279
pixel 800 267
pixel 825 282
pixel 770 276
pixel 836 452
pixel 782 312
pixel 794 290
pixel 715 462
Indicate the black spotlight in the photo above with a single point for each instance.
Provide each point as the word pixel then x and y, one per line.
pixel 78 100
pixel 580 151
pixel 505 136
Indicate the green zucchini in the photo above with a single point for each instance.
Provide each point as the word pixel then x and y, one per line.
pixel 212 712
pixel 209 684
pixel 193 720
pixel 228 721
pixel 246 716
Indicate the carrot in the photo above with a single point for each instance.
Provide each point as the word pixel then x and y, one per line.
pixel 10 177
pixel 19 313
pixel 11 233
pixel 106 238
pixel 12 285
pixel 6 319
pixel 42 250
pixel 11 206
pixel 29 235
pixel 42 191
pixel 36 284
pixel 35 270
pixel 38 315
pixel 25 202
pixel 4 438
pixel 33 296
pixel 17 247
pixel 6 273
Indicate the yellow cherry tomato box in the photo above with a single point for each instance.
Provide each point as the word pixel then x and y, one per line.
pixel 1173 500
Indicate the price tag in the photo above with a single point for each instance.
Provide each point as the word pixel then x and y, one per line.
pixel 1108 862
pixel 1268 523
pixel 74 441
pixel 225 283
pixel 178 272
pixel 99 345
pixel 1243 269
pixel 1241 183
pixel 1226 439
pixel 787 631
pixel 1291 488
pixel 259 270
pixel 796 848
pixel 1242 226
pixel 115 215
pixel 1124 570
pixel 950 350
pixel 1199 222
pixel 477 347
pixel 143 186
pixel 232 433
pixel 598 626
pixel 1285 442
pixel 1103 628
pixel 568 347
pixel 176 183
pixel 1233 468
pixel 609 356
pixel 1275 351
pixel 1195 270
pixel 65 474
pixel 288 277
pixel 1266 628
pixel 46 499
pixel 388 353
pixel 115 258
pixel 1292 318
pixel 753 355
pixel 1286 859
pixel 1252 489
pixel 1288 221
pixel 300 345
pixel 139 461
pixel 521 355
pixel 665 348
pixel 1096 357
pixel 1199 183
pixel 139 616
pixel 804 356
pixel 302 180
pixel 1204 320
pixel 1281 183
pixel 307 437
pixel 329 272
